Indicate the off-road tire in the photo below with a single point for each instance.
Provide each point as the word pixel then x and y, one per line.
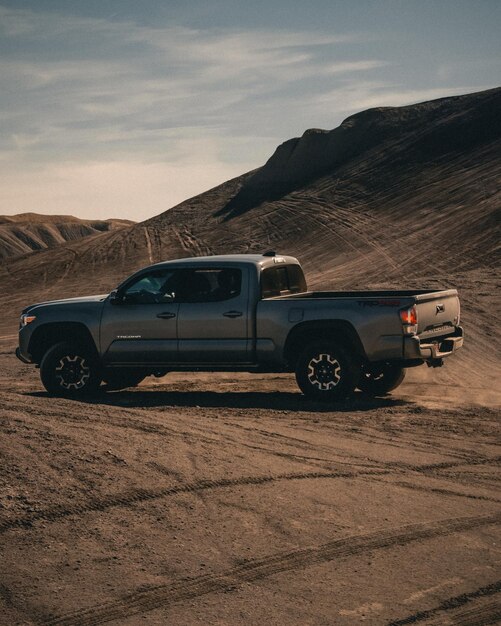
pixel 70 370
pixel 327 371
pixel 115 380
pixel 379 380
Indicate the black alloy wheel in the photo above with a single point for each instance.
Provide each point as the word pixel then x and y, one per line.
pixel 379 380
pixel 69 370
pixel 326 371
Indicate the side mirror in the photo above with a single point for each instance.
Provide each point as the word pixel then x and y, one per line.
pixel 114 297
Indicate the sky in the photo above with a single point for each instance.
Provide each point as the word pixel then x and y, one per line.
pixel 121 108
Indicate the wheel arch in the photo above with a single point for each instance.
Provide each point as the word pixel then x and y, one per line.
pixel 340 331
pixel 51 333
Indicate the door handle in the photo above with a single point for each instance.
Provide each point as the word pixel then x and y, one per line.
pixel 233 314
pixel 166 316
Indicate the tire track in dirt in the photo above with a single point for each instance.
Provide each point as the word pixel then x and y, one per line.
pixel 133 418
pixel 454 464
pixel 143 495
pixel 130 418
pixel 488 614
pixel 435 470
pixel 439 470
pixel 432 468
pixel 141 601
pixel 406 438
pixel 366 438
pixel 440 490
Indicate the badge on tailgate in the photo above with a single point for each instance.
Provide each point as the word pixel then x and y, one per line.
pixel 440 308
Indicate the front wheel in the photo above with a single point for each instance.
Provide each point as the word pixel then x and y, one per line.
pixel 326 371
pixel 70 370
pixel 378 380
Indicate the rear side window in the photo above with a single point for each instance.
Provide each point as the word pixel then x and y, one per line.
pixel 206 285
pixel 297 281
pixel 282 281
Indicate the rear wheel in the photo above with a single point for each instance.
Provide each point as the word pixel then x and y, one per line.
pixel 378 380
pixel 70 370
pixel 326 371
pixel 121 379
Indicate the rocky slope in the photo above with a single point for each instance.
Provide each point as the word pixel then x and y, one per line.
pixel 27 232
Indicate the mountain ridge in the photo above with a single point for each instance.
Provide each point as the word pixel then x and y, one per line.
pixel 299 161
pixel 24 233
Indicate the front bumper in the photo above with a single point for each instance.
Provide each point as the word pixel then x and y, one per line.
pixel 22 357
pixel 439 348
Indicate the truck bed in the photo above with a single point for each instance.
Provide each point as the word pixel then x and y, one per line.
pixel 376 315
pixel 418 294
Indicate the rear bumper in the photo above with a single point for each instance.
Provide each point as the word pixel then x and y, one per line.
pixel 439 348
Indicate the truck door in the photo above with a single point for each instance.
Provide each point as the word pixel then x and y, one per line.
pixel 140 326
pixel 213 315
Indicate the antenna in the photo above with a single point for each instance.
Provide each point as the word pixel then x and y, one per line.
pixel 270 253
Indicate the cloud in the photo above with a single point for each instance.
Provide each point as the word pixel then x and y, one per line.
pixel 103 115
pixel 128 76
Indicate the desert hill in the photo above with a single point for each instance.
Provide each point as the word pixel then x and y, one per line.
pixel 395 197
pixel 26 232
pixel 392 194
pixel 426 131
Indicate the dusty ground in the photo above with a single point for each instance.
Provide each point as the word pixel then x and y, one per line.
pixel 229 499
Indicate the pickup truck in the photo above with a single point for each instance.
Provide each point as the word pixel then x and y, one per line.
pixel 239 312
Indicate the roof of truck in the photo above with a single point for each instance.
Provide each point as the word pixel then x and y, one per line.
pixel 254 259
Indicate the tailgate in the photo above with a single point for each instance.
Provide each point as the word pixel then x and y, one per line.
pixel 437 313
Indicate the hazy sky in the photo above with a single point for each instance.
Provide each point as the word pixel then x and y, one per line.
pixel 123 108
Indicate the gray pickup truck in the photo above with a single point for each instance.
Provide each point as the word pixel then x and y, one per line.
pixel 238 313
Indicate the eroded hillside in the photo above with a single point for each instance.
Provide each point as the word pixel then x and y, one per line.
pixel 29 232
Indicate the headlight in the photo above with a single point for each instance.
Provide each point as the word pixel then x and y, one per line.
pixel 26 319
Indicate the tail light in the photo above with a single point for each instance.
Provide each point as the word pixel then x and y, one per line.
pixel 408 317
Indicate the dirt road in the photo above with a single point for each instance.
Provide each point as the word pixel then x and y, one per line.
pixel 229 499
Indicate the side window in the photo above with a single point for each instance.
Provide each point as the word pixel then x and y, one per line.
pixel 297 281
pixel 207 285
pixel 150 288
pixel 280 281
pixel 184 285
pixel 274 282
